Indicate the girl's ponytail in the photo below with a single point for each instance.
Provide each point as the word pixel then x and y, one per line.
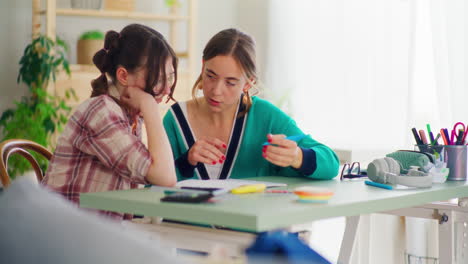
pixel 103 59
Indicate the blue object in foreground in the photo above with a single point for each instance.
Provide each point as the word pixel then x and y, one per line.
pixel 282 247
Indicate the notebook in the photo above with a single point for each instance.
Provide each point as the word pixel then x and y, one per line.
pixel 227 184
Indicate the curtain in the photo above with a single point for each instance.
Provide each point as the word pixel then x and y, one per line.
pixel 344 66
pixel 449 28
pixel 360 74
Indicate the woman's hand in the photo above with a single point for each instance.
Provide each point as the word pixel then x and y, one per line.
pixel 207 150
pixel 283 152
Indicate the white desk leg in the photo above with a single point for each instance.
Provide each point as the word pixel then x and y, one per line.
pixel 349 237
pixel 446 236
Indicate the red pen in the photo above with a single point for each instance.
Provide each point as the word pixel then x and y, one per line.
pixel 277 191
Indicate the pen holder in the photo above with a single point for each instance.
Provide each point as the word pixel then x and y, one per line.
pixel 428 148
pixel 456 157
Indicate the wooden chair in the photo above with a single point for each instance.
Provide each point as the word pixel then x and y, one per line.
pixel 22 147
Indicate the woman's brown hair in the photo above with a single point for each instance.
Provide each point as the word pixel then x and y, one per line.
pixel 135 46
pixel 232 42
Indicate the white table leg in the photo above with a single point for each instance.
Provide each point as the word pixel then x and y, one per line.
pixel 446 236
pixel 349 237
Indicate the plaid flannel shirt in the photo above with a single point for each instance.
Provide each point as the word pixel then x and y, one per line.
pixel 98 151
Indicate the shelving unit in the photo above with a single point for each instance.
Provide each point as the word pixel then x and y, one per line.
pixel 83 74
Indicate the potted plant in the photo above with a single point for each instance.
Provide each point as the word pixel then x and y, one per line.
pixel 172 3
pixel 38 115
pixel 120 5
pixel 88 44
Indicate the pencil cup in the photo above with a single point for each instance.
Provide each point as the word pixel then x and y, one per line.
pixel 428 148
pixel 456 156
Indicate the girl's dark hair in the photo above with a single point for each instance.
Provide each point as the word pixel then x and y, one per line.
pixel 232 42
pixel 135 46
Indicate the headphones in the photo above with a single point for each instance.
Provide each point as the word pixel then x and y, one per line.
pixel 387 170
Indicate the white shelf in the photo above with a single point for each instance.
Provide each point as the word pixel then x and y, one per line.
pixel 116 14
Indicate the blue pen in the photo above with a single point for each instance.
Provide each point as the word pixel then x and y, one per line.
pixel 293 138
pixel 380 185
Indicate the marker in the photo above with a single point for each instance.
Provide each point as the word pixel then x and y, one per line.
pixel 442 135
pixel 294 138
pixel 380 185
pixel 449 141
pixel 429 132
pixel 250 188
pixel 423 136
pixel 417 138
pixel 435 141
pixel 460 137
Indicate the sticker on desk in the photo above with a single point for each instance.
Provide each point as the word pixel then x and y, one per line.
pixel 309 194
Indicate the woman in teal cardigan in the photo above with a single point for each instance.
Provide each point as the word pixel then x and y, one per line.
pixel 222 134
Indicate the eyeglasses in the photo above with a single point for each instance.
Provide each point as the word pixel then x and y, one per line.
pixel 169 80
pixel 348 171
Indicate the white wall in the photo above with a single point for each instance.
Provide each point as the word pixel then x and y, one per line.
pixel 213 16
pixel 15 18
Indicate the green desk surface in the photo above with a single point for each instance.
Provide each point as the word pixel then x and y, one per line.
pixel 267 211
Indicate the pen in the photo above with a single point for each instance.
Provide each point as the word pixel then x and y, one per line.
pixel 293 138
pixel 277 191
pixel 213 191
pixel 380 185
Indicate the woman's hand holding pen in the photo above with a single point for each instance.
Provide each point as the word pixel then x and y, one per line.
pixel 207 150
pixel 282 152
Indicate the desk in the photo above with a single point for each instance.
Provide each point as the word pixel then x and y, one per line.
pixel 263 212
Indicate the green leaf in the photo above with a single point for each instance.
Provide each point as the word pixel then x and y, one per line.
pixel 6 115
pixel 61 43
pixel 40 114
pixel 92 34
pixel 49 125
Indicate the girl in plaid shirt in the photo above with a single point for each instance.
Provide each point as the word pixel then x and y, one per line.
pixel 100 148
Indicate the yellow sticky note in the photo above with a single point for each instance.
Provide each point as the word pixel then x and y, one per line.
pixel 252 188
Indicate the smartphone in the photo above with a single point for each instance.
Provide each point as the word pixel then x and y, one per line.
pixel 186 197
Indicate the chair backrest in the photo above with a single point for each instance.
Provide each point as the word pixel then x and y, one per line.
pixel 22 147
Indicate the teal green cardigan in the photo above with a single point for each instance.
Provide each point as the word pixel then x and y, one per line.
pixel 244 154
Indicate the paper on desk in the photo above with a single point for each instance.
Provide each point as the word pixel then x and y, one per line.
pixel 224 184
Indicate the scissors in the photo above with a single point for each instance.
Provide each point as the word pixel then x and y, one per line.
pixel 460 138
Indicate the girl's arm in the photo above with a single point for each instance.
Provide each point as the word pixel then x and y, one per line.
pixel 161 171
